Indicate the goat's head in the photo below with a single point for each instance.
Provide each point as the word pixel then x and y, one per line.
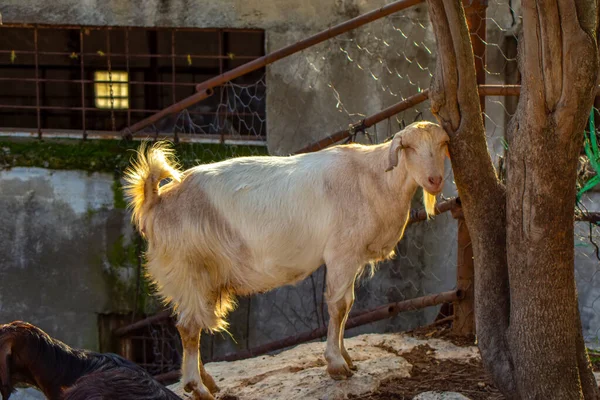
pixel 6 345
pixel 13 370
pixel 424 145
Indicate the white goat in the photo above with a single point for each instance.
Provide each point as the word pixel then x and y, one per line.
pixel 251 224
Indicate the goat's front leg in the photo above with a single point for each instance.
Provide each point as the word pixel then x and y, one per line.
pixel 340 283
pixel 195 378
pixel 343 328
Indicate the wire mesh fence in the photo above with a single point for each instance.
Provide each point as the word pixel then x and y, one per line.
pixel 350 77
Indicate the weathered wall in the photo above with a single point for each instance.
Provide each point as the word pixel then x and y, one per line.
pixel 63 252
pixel 587 272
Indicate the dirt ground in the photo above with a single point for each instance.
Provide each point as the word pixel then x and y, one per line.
pixel 465 376
pixel 430 374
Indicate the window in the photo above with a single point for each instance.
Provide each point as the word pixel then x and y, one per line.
pixel 110 92
pixel 59 79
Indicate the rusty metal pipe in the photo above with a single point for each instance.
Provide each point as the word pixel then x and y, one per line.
pixel 374 315
pixel 159 317
pixel 185 103
pixel 484 90
pixel 418 215
pixel 593 217
pixel 308 42
pixel 367 122
pixel 258 63
pixel 499 90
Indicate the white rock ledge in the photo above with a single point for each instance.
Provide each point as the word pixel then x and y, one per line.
pixel 299 373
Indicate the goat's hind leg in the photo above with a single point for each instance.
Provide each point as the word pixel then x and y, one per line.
pixel 195 378
pixel 208 380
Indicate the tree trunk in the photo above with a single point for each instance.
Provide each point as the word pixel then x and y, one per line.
pixel 558 63
pixel 455 102
pixel 529 333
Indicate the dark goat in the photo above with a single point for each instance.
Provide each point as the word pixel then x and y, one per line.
pixel 31 357
pixel 118 384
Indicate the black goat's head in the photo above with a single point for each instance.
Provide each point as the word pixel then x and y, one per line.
pixel 6 344
pixel 14 336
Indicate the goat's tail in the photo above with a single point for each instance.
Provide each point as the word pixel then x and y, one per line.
pixel 153 164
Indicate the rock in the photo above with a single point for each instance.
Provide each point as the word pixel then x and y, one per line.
pixel 299 373
pixel 27 394
pixel 440 396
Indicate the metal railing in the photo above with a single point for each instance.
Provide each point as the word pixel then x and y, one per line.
pixel 158 73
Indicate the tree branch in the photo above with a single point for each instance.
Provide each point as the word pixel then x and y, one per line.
pixel 444 84
pixel 455 102
pixel 530 63
pixel 551 45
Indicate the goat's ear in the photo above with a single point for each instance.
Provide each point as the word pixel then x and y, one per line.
pixel 5 383
pixel 395 147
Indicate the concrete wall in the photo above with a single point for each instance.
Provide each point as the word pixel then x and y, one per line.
pixel 60 245
pixel 587 272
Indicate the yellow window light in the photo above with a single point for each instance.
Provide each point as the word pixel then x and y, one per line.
pixel 118 80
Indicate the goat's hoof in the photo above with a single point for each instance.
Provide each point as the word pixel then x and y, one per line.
pixel 213 388
pixel 339 372
pixel 209 382
pixel 352 367
pixel 198 393
pixel 189 387
pixel 202 396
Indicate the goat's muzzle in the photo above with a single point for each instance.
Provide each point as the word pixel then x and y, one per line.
pixel 5 391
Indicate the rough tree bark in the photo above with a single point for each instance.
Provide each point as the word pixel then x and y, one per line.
pixel 529 332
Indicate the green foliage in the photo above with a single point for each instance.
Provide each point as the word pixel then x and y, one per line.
pixel 121 255
pixel 105 155
pixel 593 154
pixel 122 260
